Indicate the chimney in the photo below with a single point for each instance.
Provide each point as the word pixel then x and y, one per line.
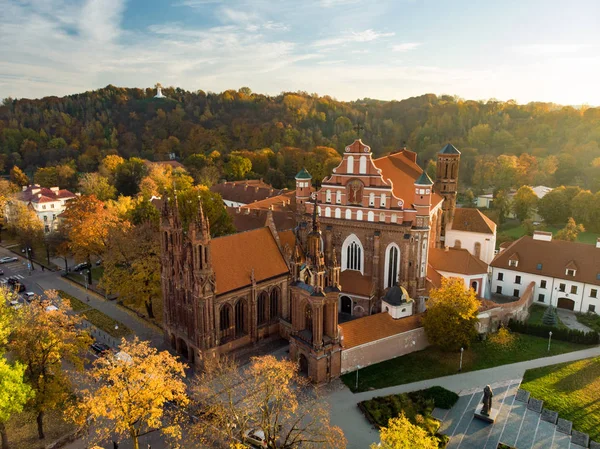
pixel 598 242
pixel 541 235
pixel 446 248
pixel 238 210
pixel 247 211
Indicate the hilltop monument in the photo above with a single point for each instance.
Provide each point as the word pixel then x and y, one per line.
pixel 159 91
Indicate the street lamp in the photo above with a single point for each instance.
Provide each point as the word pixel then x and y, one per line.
pixel 549 340
pixel 357 368
pixel 461 356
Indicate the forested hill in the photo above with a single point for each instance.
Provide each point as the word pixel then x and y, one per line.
pixel 539 143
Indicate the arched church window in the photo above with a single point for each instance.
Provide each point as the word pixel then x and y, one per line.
pixel 477 249
pixel 225 317
pixel 352 254
pixel 240 312
pixel 262 307
pixel 394 218
pixel 370 216
pixel 328 196
pixel 328 212
pixel 338 197
pixel 382 217
pixel 274 309
pixel 348 214
pixel 308 324
pixel 359 215
pixel 338 212
pixel 382 200
pixel 371 199
pixel 392 264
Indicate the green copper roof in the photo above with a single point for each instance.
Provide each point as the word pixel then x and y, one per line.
pixel 424 180
pixel 449 149
pixel 303 174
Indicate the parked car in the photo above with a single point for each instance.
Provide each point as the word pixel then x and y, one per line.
pixel 28 296
pixel 81 266
pixel 100 348
pixel 8 259
pixel 255 437
pixel 1 271
pixel 20 287
pixel 12 280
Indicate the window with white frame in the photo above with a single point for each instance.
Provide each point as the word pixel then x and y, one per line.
pixel 371 199
pixel 328 212
pixel 328 196
pixel 352 254
pixel 570 272
pixel 362 164
pixel 392 264
pixel 348 214
pixel 338 197
pixel 594 293
pixel 350 168
pixel 382 200
pixel 370 216
pixel 359 215
pixel 338 212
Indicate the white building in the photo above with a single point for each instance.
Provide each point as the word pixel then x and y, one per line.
pixel 47 203
pixel 566 274
pixel 458 263
pixel 473 231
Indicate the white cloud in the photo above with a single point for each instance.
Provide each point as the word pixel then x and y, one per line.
pixel 550 49
pixel 333 3
pixel 351 37
pixel 407 46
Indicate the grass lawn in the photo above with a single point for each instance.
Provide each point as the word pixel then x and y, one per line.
pixel 516 231
pixel 572 389
pixel 433 362
pixel 22 429
pixel 536 312
pixel 591 320
pixel 97 318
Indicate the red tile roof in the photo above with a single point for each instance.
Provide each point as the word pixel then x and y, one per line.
pixel 37 194
pixel 472 220
pixel 284 202
pixel 401 168
pixel 555 257
pixel 235 256
pixel 245 218
pixel 353 281
pixel 375 327
pixel 456 260
pixel 245 192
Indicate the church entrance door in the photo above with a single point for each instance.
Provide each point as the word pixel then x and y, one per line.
pixel 346 305
pixel 303 364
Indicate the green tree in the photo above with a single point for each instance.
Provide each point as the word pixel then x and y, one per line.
pixel 46 177
pixel 555 207
pixel 95 184
pixel 400 433
pixel 502 205
pixel 128 176
pixel 524 203
pixel 570 231
pixel 237 167
pixel 582 207
pixel 451 315
pixel 14 394
pixel 18 177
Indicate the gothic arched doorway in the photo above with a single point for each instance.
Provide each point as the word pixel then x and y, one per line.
pixel 303 361
pixel 183 349
pixel 346 305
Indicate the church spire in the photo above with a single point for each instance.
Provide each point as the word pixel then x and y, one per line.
pixel 316 225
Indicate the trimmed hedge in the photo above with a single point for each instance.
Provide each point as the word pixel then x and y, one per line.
pixel 441 397
pixel 541 330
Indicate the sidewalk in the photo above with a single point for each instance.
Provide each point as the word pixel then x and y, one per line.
pixel 360 434
pixel 141 328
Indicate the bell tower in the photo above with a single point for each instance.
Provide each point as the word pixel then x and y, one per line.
pixel 303 189
pixel 446 182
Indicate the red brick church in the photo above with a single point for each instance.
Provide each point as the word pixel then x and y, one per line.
pixel 369 227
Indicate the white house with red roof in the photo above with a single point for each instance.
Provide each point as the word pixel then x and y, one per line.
pixel 47 203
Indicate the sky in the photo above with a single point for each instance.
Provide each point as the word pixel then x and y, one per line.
pixel 524 50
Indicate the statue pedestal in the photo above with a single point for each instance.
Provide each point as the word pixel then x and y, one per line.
pixel 491 418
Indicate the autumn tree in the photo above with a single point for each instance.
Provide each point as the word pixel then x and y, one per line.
pixel 400 433
pixel 212 205
pixel 237 167
pixel 46 177
pixel 268 395
pixel 524 202
pixel 86 222
pixel 570 231
pixel 18 177
pixel 108 166
pixel 98 185
pixel 7 189
pixel 132 265
pixel 134 392
pixel 25 224
pixel 451 315
pixel 42 340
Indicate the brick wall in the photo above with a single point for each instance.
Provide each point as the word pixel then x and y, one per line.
pixel 489 320
pixel 384 349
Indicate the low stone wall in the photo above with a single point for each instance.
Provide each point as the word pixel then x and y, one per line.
pixel 384 349
pixel 490 319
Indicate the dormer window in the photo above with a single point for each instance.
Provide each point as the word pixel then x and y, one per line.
pixel 513 263
pixel 570 272
pixel 539 266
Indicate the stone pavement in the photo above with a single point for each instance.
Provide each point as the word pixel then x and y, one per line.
pixel 569 319
pixel 360 434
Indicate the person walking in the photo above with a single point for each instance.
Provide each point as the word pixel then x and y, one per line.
pixel 115 445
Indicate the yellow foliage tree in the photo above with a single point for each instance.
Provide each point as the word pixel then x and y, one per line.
pixel 268 395
pixel 451 315
pixel 135 392
pixel 570 231
pixel 86 222
pixel 42 339
pixel 400 433
pixel 24 222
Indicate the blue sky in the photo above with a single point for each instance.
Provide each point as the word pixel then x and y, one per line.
pixel 526 50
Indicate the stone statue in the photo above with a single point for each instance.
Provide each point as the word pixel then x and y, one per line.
pixel 488 394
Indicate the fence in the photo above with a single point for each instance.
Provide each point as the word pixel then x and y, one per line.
pixel 99 335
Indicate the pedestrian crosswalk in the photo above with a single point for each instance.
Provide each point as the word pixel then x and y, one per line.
pixel 5 279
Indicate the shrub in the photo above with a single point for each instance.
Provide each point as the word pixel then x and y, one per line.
pixel 550 317
pixel 541 330
pixel 441 397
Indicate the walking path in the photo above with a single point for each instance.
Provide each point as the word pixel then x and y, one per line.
pixel 141 328
pixel 569 319
pixel 360 434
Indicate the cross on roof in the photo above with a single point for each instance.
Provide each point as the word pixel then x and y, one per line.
pixel 358 128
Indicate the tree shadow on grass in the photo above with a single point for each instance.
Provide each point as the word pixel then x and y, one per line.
pixel 580 378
